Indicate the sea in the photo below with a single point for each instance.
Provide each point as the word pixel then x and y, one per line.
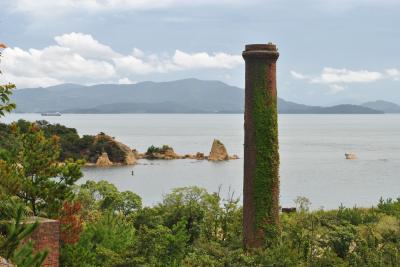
pixel 312 153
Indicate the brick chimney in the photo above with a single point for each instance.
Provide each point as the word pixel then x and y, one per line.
pixel 261 155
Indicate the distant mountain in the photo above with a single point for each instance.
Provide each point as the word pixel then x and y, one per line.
pixel 286 107
pixel 117 108
pixel 189 95
pixel 385 106
pixel 182 96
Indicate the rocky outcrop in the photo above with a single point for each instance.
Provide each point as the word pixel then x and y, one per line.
pixel 198 156
pixel 350 156
pixel 116 153
pixel 164 152
pixel 103 161
pixel 234 157
pixel 170 154
pixel 218 152
pixel 129 155
pixel 130 159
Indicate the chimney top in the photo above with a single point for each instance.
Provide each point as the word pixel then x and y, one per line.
pixel 267 52
pixel 261 47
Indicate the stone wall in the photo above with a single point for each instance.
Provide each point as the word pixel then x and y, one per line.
pixel 47 236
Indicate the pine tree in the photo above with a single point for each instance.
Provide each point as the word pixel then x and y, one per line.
pixel 39 179
pixel 12 247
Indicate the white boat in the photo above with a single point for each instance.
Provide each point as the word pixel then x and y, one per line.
pixel 51 114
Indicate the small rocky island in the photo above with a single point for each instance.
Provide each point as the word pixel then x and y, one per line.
pixel 102 150
pixel 166 152
pixel 218 153
pixel 107 152
pixel 122 154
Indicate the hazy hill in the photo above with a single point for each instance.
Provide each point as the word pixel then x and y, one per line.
pixel 191 94
pixel 385 106
pixel 182 96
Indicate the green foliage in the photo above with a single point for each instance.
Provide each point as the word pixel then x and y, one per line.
pixel 192 227
pixel 104 144
pixel 72 146
pixel 153 149
pixel 266 172
pixel 5 93
pixel 13 231
pixel 390 206
pixel 33 173
pixel 103 196
pixel 102 243
pixel 5 104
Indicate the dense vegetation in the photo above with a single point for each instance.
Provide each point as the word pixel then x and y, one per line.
pixel 153 149
pixel 13 230
pixel 102 226
pixel 72 146
pixel 192 227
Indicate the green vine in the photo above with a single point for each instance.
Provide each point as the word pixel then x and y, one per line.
pixel 266 173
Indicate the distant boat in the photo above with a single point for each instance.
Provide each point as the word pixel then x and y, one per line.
pixel 51 114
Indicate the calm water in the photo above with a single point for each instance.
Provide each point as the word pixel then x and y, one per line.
pixel 312 151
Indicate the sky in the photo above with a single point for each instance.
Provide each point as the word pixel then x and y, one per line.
pixel 331 51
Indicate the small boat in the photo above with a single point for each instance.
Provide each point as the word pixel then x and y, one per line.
pixel 51 114
pixel 350 156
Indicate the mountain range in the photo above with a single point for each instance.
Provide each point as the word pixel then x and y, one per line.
pixel 181 96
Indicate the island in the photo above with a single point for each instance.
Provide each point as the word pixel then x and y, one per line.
pixel 102 150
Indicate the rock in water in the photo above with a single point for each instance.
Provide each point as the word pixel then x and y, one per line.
pixel 350 156
pixel 218 151
pixel 170 154
pixel 199 156
pixel 234 157
pixel 103 160
pixel 129 155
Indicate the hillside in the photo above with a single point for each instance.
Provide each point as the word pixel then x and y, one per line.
pixel 182 96
pixel 385 106
pixel 189 94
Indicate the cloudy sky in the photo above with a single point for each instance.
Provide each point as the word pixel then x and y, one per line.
pixel 332 51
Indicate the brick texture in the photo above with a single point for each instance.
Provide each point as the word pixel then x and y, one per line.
pixel 47 236
pixel 260 69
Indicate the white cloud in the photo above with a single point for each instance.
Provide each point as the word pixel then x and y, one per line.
pixel 298 76
pixel 204 60
pixel 337 76
pixel 331 75
pixel 79 58
pixel 85 45
pixel 335 88
pixel 125 81
pixel 337 79
pixel 393 73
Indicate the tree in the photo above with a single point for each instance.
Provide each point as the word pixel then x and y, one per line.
pixel 104 196
pixel 5 93
pixel 39 179
pixel 12 246
pixel 71 223
pixel 15 231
